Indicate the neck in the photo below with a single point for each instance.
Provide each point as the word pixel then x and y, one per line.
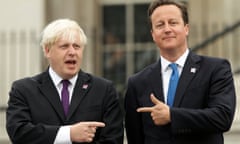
pixel 172 55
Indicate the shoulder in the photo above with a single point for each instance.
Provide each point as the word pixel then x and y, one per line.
pixel 208 60
pixel 30 81
pixel 93 78
pixel 214 61
pixel 146 72
pixel 210 64
pixel 197 57
pixel 101 79
pixel 98 84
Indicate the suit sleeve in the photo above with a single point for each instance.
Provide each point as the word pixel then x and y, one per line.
pixel 133 122
pixel 113 131
pixel 20 127
pixel 215 113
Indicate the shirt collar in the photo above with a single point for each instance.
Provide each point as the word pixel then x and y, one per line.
pixel 57 79
pixel 180 61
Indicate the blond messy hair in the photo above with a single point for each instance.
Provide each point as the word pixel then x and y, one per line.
pixel 61 28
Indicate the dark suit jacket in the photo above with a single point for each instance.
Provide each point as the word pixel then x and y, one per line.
pixel 203 108
pixel 35 113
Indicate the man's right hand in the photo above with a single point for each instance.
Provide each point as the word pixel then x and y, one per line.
pixel 84 131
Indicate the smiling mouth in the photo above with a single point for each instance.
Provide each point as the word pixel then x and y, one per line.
pixel 166 38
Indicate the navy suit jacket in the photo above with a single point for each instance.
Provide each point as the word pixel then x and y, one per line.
pixel 203 107
pixel 35 113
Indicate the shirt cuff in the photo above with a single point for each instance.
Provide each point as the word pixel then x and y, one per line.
pixel 63 136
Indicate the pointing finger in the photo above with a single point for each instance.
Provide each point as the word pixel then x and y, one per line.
pixel 95 124
pixel 145 109
pixel 154 99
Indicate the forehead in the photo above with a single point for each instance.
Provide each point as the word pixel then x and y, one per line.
pixel 69 36
pixel 166 11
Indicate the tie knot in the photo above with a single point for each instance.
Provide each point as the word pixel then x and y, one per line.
pixel 173 66
pixel 65 83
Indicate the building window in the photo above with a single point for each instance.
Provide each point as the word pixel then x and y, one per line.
pixel 114 25
pixel 141 25
pixel 127 45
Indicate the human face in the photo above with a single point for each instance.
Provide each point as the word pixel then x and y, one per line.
pixel 65 56
pixel 168 29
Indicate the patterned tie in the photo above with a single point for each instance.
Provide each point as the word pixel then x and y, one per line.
pixel 173 81
pixel 65 96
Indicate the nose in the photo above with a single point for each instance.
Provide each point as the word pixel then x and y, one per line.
pixel 71 50
pixel 167 28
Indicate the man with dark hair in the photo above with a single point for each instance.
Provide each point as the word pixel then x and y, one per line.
pixel 183 98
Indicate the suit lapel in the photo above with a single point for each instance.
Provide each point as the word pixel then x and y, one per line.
pixel 50 92
pixel 83 85
pixel 190 69
pixel 155 79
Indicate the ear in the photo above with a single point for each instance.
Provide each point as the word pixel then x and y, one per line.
pixel 153 35
pixel 46 51
pixel 186 29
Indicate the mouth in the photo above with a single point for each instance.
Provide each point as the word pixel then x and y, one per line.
pixel 71 62
pixel 167 38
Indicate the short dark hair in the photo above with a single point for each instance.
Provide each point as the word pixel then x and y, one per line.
pixel 155 4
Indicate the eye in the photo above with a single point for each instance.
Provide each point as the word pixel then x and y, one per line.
pixel 76 46
pixel 63 46
pixel 173 23
pixel 159 25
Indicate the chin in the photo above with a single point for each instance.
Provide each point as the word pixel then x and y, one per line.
pixel 168 48
pixel 70 74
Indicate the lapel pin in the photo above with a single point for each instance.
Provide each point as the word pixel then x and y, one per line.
pixel 85 86
pixel 193 70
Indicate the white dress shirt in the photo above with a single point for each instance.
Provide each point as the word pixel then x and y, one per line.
pixel 167 71
pixel 63 135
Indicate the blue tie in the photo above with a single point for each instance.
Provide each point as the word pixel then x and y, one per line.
pixel 173 81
